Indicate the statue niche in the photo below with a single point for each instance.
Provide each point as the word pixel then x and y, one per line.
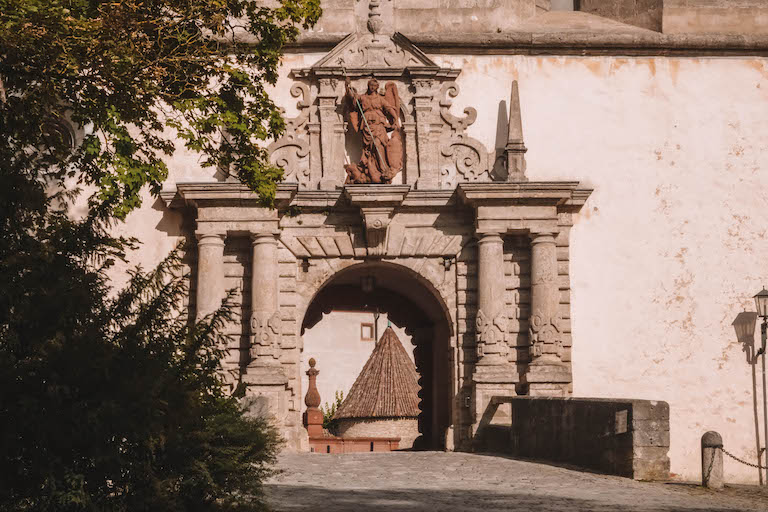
pixel 376 118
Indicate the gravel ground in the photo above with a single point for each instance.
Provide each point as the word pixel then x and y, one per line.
pixel 436 481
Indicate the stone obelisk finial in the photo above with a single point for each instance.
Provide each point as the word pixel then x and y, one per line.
pixel 313 417
pixel 515 147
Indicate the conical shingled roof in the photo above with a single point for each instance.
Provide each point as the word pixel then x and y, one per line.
pixel 388 385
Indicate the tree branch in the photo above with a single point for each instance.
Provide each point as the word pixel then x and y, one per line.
pixel 3 97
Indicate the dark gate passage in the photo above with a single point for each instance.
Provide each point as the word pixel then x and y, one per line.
pixel 397 291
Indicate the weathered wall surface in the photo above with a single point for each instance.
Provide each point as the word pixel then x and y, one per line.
pixel 716 16
pixel 671 245
pixel 641 13
pixel 669 248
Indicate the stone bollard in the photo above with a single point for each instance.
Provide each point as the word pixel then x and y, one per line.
pixel 712 460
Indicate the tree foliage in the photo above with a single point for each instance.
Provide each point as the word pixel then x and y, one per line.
pixel 329 411
pixel 136 75
pixel 112 401
pixel 117 404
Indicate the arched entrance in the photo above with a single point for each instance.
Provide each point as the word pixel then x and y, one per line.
pixel 412 303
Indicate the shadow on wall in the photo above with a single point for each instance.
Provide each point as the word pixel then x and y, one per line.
pixel 307 497
pixel 744 325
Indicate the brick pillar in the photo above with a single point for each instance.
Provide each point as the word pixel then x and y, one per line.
pixel 547 374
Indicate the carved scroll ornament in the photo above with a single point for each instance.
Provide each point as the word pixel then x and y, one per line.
pixel 463 158
pixel 291 151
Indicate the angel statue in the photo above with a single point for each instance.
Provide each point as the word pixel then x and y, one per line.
pixel 374 115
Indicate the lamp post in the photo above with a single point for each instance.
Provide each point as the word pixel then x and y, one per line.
pixel 761 301
pixel 744 324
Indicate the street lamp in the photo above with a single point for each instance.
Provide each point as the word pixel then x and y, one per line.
pixel 761 301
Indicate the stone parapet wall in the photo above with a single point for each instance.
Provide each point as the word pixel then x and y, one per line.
pixel 640 13
pixel 621 437
pixel 716 16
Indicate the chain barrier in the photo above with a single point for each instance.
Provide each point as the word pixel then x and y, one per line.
pixel 712 462
pixel 758 466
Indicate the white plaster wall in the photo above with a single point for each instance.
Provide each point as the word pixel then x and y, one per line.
pixel 335 344
pixel 667 251
pixel 672 244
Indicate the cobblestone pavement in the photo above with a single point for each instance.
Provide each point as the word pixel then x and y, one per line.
pixel 437 481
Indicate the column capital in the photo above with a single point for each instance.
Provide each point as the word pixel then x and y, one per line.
pixel 540 237
pixel 210 238
pixel 488 236
pixel 264 237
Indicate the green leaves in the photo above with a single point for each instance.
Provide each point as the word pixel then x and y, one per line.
pixel 115 402
pixel 138 74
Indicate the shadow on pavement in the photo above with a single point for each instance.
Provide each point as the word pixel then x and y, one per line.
pixel 285 498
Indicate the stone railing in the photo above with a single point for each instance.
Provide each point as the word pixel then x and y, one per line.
pixel 621 437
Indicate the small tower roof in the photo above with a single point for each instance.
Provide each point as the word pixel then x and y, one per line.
pixel 388 385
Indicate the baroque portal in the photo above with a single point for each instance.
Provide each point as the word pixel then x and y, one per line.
pixel 436 218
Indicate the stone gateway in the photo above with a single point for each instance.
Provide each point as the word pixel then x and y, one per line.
pixel 550 203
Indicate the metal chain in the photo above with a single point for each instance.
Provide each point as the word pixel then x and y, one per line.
pixel 711 463
pixel 758 466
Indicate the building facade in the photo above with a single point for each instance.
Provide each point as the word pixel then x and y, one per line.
pixel 578 210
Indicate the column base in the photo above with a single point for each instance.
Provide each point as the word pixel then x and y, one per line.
pixel 488 382
pixel 266 395
pixel 548 380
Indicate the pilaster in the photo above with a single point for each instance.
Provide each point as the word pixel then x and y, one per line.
pixel 427 149
pixel 327 99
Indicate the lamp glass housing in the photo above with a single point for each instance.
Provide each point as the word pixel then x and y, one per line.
pixel 761 302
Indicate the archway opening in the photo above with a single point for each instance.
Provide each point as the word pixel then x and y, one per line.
pixel 402 297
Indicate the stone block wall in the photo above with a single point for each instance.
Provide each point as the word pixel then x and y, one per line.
pixel 640 13
pixel 716 16
pixel 621 437
pixel 407 429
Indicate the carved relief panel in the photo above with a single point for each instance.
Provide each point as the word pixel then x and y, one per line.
pixel 433 147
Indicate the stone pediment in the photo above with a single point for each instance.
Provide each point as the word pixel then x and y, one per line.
pixel 384 56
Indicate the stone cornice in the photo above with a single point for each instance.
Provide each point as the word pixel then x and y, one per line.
pixel 192 193
pixel 566 194
pixel 554 193
pixel 646 43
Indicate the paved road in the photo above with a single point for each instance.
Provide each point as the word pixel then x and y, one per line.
pixel 437 481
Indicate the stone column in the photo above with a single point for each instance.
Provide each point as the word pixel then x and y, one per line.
pixel 547 374
pixel 266 324
pixel 265 377
pixel 211 289
pixel 491 322
pixel 493 375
